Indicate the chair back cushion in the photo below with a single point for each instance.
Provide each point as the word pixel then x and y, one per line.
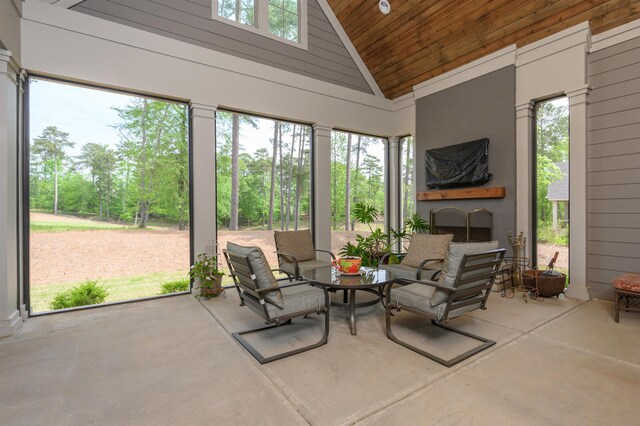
pixel 452 264
pixel 427 246
pixel 264 278
pixel 296 243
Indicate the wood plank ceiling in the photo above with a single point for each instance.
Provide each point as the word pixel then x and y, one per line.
pixel 421 39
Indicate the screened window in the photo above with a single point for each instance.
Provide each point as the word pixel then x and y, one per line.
pixel 358 176
pixel 283 20
pixel 407 182
pixel 263 178
pixel 108 196
pixel 240 11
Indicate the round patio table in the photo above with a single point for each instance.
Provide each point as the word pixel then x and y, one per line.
pixel 370 280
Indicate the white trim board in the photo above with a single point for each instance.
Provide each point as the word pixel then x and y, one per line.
pixel 66 3
pixel 477 68
pixel 119 57
pixel 615 36
pixel 335 23
pixel 40 12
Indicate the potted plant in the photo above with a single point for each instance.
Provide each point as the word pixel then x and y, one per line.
pixel 206 273
pixel 373 247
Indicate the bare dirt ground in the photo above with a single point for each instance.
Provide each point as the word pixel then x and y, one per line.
pixel 61 257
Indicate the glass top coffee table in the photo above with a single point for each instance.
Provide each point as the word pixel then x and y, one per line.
pixel 370 280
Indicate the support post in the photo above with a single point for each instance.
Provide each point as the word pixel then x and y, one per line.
pixel 203 157
pixel 524 172
pixel 578 284
pixel 10 319
pixel 321 215
pixel 393 196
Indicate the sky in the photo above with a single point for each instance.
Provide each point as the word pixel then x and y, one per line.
pixel 87 114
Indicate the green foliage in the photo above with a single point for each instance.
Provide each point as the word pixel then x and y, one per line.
pixel 205 269
pixel 65 227
pixel 280 164
pixel 146 176
pixel 373 247
pixel 546 234
pixel 89 293
pixel 176 286
pixel 416 223
pixel 552 144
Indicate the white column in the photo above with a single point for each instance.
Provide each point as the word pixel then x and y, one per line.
pixel 578 285
pixel 393 174
pixel 203 159
pixel 24 313
pixel 10 319
pixel 554 213
pixel 524 147
pixel 321 215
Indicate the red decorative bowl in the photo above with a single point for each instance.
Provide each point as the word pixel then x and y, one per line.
pixel 349 264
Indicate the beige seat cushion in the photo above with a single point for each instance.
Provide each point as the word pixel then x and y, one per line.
pixel 296 243
pixel 261 269
pixel 452 264
pixel 427 246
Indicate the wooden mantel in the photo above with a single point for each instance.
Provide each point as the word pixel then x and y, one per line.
pixel 462 194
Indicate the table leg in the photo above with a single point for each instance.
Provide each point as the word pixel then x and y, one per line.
pixel 345 297
pixel 352 311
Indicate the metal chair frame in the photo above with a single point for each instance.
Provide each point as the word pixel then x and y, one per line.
pixel 246 284
pixel 456 300
pixel 289 258
pixel 420 269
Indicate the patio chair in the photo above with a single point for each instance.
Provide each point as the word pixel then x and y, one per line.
pixel 296 253
pixel 277 302
pixel 464 285
pixel 424 257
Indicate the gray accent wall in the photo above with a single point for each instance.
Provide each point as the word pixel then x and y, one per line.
pixel 190 21
pixel 479 108
pixel 613 181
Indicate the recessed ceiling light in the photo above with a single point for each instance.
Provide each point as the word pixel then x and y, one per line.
pixel 385 6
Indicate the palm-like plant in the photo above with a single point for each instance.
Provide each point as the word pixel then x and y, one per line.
pixel 372 247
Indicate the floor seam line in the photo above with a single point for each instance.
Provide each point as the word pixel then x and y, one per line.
pixel 440 380
pixel 251 360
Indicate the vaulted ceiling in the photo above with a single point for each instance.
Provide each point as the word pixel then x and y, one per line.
pixel 421 39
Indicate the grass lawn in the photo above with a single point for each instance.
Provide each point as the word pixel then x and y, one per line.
pixel 123 288
pixel 64 227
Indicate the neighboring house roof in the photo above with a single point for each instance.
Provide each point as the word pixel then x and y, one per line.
pixel 559 189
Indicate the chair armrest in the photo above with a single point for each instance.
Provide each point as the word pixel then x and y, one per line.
pixel 289 276
pixel 388 255
pixel 262 291
pixel 423 264
pixel 285 257
pixel 406 281
pixel 333 256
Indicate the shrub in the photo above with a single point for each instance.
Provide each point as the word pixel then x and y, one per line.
pixel 175 286
pixel 89 293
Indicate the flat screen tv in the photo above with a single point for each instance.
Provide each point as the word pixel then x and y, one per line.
pixel 464 164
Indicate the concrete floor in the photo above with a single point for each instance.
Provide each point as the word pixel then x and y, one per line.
pixel 172 361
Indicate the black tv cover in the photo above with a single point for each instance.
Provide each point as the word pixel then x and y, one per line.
pixel 464 164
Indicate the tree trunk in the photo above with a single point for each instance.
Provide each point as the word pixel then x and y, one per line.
pixel 281 179
pixel 290 176
pixel 407 169
pixel 55 186
pixel 235 153
pixel 100 209
pixel 355 189
pixel 347 184
pixel 303 134
pixel 142 203
pixel 272 191
pixel 334 198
